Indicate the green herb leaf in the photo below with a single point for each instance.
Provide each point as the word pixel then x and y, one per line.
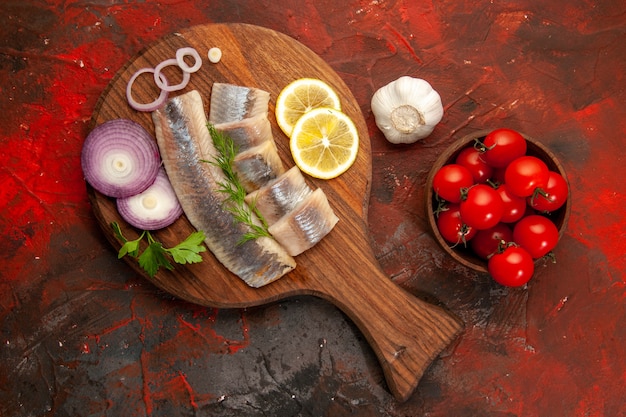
pixel 118 231
pixel 130 247
pixel 233 189
pixel 155 255
pixel 188 250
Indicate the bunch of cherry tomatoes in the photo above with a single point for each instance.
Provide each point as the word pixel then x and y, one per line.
pixel 496 199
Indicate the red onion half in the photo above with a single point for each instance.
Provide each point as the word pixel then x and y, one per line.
pixel 155 208
pixel 120 158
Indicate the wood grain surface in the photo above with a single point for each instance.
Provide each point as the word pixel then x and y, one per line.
pixel 405 332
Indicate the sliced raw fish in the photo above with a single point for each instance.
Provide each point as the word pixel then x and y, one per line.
pixel 280 196
pixel 232 103
pixel 249 132
pixel 257 166
pixel 184 142
pixel 306 224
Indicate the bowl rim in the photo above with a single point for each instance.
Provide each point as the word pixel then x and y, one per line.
pixel 450 152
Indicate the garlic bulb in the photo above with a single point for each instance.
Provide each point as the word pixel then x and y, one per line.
pixel 407 109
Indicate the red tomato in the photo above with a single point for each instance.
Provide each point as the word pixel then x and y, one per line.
pixel 514 206
pixel 482 207
pixel 486 242
pixel 526 174
pixel 552 196
pixel 471 159
pixel 498 176
pixel 452 228
pixel 502 146
pixel 512 267
pixel 450 179
pixel 537 234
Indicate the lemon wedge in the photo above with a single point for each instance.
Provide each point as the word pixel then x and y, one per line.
pixel 324 143
pixel 300 97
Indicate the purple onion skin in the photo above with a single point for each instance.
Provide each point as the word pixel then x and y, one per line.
pixel 126 137
pixel 170 209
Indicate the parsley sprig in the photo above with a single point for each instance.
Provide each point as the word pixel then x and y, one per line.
pixel 233 189
pixel 155 255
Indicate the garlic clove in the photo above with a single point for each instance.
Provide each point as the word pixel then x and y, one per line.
pixel 407 109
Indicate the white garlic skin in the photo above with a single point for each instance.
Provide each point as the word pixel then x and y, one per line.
pixel 407 109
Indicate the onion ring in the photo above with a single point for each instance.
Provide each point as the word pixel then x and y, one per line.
pixel 154 208
pixel 148 106
pixel 180 59
pixel 164 85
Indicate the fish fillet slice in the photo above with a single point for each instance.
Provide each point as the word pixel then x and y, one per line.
pixel 184 141
pixel 257 166
pixel 280 196
pixel 232 103
pixel 249 132
pixel 306 224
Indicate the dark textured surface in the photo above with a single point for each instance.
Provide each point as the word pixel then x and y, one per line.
pixel 83 335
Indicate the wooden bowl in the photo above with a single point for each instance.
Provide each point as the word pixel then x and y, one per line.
pixel 460 253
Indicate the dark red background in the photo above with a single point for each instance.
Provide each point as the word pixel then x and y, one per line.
pixel 82 335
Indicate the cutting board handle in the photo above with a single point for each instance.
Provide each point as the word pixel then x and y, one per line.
pixel 405 332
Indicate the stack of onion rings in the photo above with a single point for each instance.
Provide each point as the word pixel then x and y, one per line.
pixel 161 81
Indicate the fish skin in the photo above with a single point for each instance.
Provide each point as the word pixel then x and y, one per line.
pixel 231 103
pixel 234 106
pixel 247 133
pixel 257 166
pixel 280 196
pixel 305 225
pixel 184 142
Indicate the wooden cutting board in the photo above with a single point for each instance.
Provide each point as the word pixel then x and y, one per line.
pixel 406 333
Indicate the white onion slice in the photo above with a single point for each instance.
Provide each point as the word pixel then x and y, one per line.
pixel 215 54
pixel 148 106
pixel 155 208
pixel 120 158
pixel 164 85
pixel 181 53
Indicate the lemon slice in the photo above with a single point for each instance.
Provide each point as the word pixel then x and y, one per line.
pixel 301 96
pixel 324 143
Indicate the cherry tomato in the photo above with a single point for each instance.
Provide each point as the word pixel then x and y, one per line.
pixel 501 146
pixel 450 179
pixel 481 207
pixel 452 228
pixel 526 174
pixel 552 196
pixel 471 159
pixel 537 234
pixel 497 177
pixel 486 242
pixel 514 206
pixel 513 266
